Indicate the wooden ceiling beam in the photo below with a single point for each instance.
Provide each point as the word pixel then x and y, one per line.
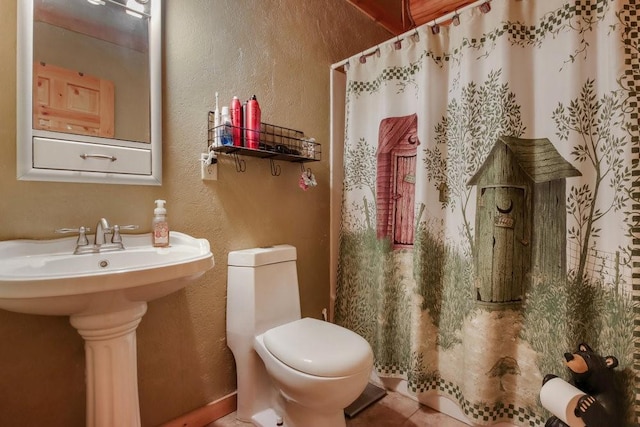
pixel 424 11
pixel 380 15
pixel 389 13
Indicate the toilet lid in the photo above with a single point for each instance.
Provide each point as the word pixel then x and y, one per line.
pixel 319 348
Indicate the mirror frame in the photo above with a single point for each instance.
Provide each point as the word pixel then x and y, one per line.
pixel 24 100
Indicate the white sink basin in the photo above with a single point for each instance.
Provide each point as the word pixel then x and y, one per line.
pixel 44 277
pixel 106 296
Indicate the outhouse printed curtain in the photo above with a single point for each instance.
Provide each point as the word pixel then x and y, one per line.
pixel 491 202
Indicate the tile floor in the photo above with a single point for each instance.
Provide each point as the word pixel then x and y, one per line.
pixel 393 410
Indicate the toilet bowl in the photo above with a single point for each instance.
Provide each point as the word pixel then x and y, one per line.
pixel 300 371
pixel 316 366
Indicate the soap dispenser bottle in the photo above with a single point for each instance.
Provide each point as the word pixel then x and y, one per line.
pixel 160 226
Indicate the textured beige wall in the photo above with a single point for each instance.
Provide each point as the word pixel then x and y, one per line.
pixel 279 50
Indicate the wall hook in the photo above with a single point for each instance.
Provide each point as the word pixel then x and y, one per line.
pixel 241 165
pixel 275 168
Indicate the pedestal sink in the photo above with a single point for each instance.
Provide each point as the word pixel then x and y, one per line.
pixel 105 295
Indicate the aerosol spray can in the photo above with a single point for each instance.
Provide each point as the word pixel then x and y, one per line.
pixel 236 121
pixel 252 123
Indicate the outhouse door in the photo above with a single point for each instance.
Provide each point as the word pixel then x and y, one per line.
pixel 501 245
pixel 403 207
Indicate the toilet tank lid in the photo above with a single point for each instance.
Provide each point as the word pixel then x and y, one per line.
pixel 319 348
pixel 255 257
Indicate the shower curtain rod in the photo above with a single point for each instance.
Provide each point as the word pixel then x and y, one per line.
pixel 412 31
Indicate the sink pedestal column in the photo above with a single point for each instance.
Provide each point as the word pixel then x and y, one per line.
pixel 111 366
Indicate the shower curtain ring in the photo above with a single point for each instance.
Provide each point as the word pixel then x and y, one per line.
pixel 397 45
pixel 456 18
pixel 415 36
pixel 435 28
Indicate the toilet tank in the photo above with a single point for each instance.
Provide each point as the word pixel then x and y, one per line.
pixel 262 289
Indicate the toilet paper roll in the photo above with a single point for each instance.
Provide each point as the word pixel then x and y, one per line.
pixel 561 399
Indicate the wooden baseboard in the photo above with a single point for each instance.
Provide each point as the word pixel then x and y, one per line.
pixel 207 414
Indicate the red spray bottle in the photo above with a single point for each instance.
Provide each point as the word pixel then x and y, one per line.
pixel 252 123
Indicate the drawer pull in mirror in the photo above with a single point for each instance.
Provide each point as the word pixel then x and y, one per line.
pixel 99 156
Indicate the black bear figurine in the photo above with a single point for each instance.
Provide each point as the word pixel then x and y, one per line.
pixel 593 375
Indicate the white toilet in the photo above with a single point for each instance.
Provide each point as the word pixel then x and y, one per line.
pixel 292 372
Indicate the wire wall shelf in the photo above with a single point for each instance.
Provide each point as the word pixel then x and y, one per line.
pixel 272 142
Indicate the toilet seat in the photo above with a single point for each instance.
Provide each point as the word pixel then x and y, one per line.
pixel 319 348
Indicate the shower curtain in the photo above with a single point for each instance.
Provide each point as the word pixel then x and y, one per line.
pixel 490 202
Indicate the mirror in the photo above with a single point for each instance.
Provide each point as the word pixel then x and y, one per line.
pixel 89 91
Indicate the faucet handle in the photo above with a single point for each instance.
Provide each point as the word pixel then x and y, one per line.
pixel 127 227
pixel 116 237
pixel 82 234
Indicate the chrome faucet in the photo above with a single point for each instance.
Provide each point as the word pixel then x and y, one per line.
pixel 100 243
pixel 102 228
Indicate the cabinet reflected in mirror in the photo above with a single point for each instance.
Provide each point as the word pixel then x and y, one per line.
pixel 89 91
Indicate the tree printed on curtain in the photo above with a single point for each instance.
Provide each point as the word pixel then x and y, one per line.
pixel 464 137
pixel 601 149
pixel 524 203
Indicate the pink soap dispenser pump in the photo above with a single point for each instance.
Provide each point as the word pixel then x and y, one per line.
pixel 160 226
